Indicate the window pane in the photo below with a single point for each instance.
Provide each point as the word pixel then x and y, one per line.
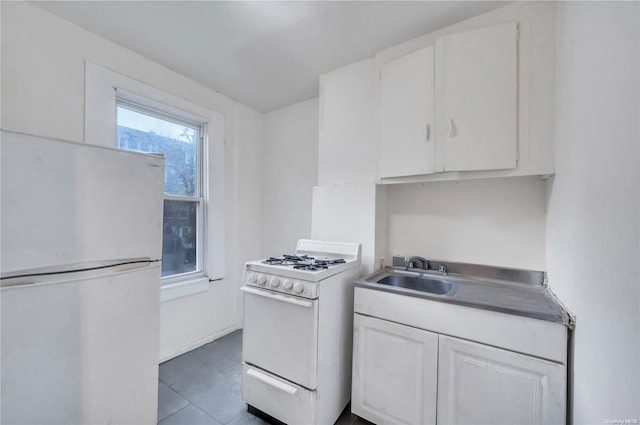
pixel 179 237
pixel 179 143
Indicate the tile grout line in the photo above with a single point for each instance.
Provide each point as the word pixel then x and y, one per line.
pixel 174 413
pixel 191 402
pixel 178 394
pixel 216 368
pixel 207 414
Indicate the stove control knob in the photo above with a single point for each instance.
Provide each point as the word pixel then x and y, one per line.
pixel 287 285
pixel 262 280
pixel 251 278
pixel 275 282
pixel 298 288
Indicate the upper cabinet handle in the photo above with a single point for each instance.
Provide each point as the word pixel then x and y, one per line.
pixel 427 132
pixel 451 128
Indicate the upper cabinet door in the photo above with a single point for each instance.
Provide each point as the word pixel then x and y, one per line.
pixel 479 98
pixel 407 145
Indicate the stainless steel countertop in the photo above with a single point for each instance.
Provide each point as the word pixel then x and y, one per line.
pixel 521 299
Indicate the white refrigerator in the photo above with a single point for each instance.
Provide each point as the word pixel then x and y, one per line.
pixel 80 261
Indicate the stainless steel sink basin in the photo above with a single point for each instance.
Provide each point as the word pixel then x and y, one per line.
pixel 417 283
pixel 511 291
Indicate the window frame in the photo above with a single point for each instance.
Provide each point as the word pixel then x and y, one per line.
pixel 123 99
pixel 101 86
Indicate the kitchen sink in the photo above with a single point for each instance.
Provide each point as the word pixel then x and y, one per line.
pixel 417 283
pixel 512 291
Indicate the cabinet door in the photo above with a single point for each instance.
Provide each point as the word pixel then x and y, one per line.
pixel 479 121
pixel 407 135
pixel 394 372
pixel 479 384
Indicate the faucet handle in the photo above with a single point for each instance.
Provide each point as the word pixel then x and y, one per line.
pixel 410 261
pixel 407 263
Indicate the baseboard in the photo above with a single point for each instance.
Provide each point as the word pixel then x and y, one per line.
pixel 198 343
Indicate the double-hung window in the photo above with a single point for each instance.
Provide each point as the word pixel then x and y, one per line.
pixel 127 113
pixel 144 129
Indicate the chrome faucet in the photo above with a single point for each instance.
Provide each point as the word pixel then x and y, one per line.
pixel 409 262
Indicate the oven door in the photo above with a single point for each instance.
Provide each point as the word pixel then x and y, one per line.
pixel 280 335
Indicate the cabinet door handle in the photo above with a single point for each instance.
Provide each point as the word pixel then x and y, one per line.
pixel 427 132
pixel 451 128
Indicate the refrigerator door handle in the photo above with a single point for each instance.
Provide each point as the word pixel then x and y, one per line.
pixel 33 276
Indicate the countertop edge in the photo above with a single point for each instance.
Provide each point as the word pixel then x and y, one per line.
pixel 564 318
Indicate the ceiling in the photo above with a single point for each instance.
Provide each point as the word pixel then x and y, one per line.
pixel 265 54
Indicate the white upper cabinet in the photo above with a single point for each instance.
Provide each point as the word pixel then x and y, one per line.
pixel 473 100
pixel 479 98
pixel 407 115
pixel 483 88
pixel 452 108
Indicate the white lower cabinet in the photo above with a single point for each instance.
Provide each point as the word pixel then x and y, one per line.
pixel 406 375
pixel 479 384
pixel 394 372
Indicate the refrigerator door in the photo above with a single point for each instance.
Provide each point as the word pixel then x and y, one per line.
pixel 82 348
pixel 68 203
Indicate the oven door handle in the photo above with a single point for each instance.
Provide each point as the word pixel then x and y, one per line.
pixel 267 294
pixel 273 382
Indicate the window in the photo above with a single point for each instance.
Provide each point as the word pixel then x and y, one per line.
pixel 195 199
pixel 144 129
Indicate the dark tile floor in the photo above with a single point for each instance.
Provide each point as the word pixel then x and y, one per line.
pixel 203 387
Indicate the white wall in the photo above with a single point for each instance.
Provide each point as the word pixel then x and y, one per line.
pixel 593 241
pixel 249 169
pixel 497 221
pixel 351 213
pixel 347 205
pixel 290 170
pixel 43 63
pixel 347 129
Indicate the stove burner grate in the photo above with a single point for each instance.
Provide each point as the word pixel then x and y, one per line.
pixel 289 260
pixel 303 262
pixel 310 267
pixel 329 262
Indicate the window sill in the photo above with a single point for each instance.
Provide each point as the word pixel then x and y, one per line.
pixel 171 291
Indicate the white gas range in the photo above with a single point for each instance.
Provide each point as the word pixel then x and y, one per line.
pixel 297 335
